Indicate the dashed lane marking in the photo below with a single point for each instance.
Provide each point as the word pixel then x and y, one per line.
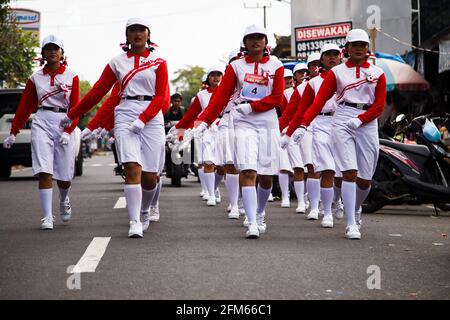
pixel 121 203
pixel 91 258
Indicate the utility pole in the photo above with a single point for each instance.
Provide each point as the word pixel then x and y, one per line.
pixel 417 10
pixel 264 6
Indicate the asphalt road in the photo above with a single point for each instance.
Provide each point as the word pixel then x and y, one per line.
pixel 195 252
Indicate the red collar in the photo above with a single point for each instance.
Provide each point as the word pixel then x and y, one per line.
pixel 144 54
pixel 60 70
pixel 352 65
pixel 264 59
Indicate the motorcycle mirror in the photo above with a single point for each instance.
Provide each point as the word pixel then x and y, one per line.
pixel 400 118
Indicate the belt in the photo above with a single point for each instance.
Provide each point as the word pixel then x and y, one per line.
pixel 242 102
pixel 360 106
pixel 326 114
pixel 138 98
pixel 54 109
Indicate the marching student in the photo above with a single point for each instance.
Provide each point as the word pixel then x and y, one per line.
pixel 52 91
pixel 138 119
pixel 259 79
pixel 360 90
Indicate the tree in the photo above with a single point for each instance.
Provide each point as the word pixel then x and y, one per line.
pixel 188 81
pixel 17 50
pixel 85 86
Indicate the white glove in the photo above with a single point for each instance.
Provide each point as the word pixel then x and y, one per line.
pixel 65 138
pixel 173 131
pixel 285 140
pixel 86 134
pixel 9 141
pixel 188 135
pixel 298 134
pixel 137 126
pixel 198 130
pixel 65 122
pixel 103 133
pixel 354 123
pixel 110 142
pixel 241 110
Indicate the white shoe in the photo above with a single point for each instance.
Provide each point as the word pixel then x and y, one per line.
pixel 327 221
pixel 352 232
pixel 234 214
pixel 358 219
pixel 65 210
pixel 205 196
pixel 229 208
pixel 135 230
pixel 202 193
pixel 261 221
pixel 338 209
pixel 47 223
pixel 313 215
pixel 154 213
pixel 285 203
pixel 301 208
pixel 211 201
pixel 245 223
pixel 252 232
pixel 145 220
pixel 270 198
pixel 218 198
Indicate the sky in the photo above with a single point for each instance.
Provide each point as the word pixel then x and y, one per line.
pixel 188 32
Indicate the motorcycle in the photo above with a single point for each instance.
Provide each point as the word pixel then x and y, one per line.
pixel 412 173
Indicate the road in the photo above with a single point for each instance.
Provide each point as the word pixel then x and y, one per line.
pixel 195 252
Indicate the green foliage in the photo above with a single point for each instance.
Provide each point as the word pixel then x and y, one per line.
pixel 187 82
pixel 85 86
pixel 17 50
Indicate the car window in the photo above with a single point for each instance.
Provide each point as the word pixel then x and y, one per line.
pixel 9 101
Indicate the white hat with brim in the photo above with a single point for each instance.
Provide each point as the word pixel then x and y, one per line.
pixel 52 39
pixel 137 21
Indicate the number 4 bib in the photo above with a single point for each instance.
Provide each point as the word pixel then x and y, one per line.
pixel 255 87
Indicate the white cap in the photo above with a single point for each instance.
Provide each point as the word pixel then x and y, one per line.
pixel 329 47
pixel 138 21
pixel 288 73
pixel 52 39
pixel 233 54
pixel 357 35
pixel 300 66
pixel 253 29
pixel 313 57
pixel 214 69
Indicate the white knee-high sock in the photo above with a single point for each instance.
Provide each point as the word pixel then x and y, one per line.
pixel 299 187
pixel 313 186
pixel 133 196
pixel 46 196
pixel 337 194
pixel 283 178
pixel 147 197
pixel 326 195
pixel 361 195
pixel 209 183
pixel 249 199
pixel 232 185
pixel 217 180
pixel 263 196
pixel 349 200
pixel 63 194
pixel 201 176
pixel 155 199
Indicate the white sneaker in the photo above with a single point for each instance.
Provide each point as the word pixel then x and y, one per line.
pixel 218 198
pixel 352 232
pixel 211 201
pixel 202 193
pixel 65 210
pixel 270 198
pixel 205 196
pixel 301 208
pixel 229 208
pixel 285 203
pixel 234 214
pixel 313 215
pixel 327 221
pixel 135 230
pixel 358 219
pixel 145 220
pixel 154 213
pixel 245 223
pixel 338 209
pixel 261 221
pixel 47 223
pixel 252 232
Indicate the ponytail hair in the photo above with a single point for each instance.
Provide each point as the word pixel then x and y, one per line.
pixel 150 46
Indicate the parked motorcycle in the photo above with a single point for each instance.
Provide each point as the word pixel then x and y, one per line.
pixel 412 173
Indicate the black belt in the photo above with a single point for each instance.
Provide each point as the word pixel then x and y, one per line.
pixel 138 98
pixel 326 114
pixel 54 109
pixel 360 106
pixel 242 102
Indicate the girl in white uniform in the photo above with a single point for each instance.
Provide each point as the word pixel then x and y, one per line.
pixel 138 122
pixel 52 90
pixel 360 90
pixel 259 79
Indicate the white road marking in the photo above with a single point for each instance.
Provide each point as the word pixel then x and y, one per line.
pixel 112 164
pixel 96 165
pixel 91 258
pixel 121 203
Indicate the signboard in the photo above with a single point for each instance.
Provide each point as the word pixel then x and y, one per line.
pixel 28 20
pixel 311 38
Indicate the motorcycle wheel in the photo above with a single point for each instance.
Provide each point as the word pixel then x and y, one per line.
pixel 443 206
pixel 372 204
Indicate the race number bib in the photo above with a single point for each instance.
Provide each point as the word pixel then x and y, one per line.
pixel 255 87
